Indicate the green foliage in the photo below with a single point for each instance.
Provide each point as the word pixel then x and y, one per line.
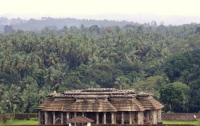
pixel 33 64
pixel 184 67
pixel 122 82
pixel 175 96
pixel 5 117
pixel 150 85
pixel 194 94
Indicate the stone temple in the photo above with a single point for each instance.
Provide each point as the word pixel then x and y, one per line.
pixel 102 105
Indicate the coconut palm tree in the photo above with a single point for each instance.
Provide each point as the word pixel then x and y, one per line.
pixel 122 82
pixel 11 98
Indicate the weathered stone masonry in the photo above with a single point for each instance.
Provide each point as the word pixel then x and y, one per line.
pixel 103 105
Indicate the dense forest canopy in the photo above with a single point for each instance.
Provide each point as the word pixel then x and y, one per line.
pixel 157 59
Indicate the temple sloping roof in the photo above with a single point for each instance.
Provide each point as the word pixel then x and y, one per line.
pixel 100 100
pixel 79 119
pixel 58 105
pixel 150 103
pixel 45 103
pixel 127 105
pixel 91 106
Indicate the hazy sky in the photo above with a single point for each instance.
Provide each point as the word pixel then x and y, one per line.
pixel 94 8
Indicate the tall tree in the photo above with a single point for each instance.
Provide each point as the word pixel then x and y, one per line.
pixel 173 96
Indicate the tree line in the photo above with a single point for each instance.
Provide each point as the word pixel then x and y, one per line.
pixel 58 23
pixel 157 59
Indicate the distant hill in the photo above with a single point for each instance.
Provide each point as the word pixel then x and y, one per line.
pixel 58 23
pixel 104 20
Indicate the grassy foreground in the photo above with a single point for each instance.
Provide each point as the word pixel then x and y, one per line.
pixel 181 122
pixel 21 122
pixel 35 122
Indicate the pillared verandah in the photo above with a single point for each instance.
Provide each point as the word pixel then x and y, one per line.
pixel 103 105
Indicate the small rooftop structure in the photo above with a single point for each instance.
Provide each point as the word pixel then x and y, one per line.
pixel 103 105
pixel 80 120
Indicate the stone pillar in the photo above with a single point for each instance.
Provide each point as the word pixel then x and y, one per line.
pixel 75 114
pixel 154 116
pixel 54 117
pixel 130 118
pixel 46 121
pixel 39 118
pixel 97 118
pixel 88 124
pixel 61 116
pixel 115 117
pixel 140 118
pixel 83 114
pixel 104 118
pixel 113 120
pixel 67 115
pixel 159 116
pixel 122 117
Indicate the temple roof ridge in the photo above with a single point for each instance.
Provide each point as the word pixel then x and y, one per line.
pixel 100 91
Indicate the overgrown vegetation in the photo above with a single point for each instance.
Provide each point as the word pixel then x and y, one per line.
pixel 157 59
